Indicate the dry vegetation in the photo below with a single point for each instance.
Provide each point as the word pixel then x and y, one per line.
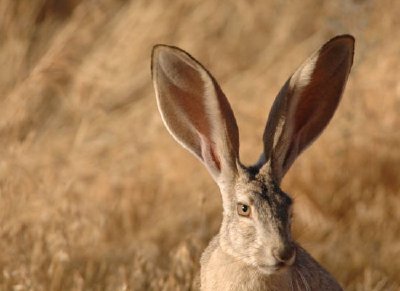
pixel 95 195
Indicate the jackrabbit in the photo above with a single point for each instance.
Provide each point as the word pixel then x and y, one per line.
pixel 254 249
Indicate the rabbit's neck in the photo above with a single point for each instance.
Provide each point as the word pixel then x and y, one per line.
pixel 220 271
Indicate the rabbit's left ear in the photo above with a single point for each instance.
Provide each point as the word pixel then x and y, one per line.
pixel 306 103
pixel 196 111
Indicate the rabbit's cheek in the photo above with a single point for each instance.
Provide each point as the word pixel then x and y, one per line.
pixel 243 234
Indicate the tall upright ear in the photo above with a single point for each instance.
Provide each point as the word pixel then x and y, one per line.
pixel 306 104
pixel 195 110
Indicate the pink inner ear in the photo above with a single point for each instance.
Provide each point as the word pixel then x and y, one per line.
pixel 215 158
pixel 320 98
pixel 316 101
pixel 186 89
pixel 209 153
pixel 196 111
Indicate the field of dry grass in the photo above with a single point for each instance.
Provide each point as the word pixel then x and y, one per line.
pixel 95 194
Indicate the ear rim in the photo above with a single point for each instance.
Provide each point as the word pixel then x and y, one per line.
pixel 299 80
pixel 218 103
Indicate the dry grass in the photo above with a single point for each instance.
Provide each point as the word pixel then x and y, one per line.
pixel 94 194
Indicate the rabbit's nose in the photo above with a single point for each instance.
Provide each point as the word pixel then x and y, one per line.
pixel 285 255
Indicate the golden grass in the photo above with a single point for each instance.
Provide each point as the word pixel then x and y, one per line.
pixel 95 195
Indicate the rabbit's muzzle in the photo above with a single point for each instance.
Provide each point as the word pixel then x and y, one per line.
pixel 285 255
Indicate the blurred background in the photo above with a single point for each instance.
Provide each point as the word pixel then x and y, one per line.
pixel 95 194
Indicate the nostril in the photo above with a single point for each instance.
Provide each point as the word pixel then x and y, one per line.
pixel 285 255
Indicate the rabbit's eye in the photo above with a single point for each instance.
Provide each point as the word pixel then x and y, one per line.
pixel 243 209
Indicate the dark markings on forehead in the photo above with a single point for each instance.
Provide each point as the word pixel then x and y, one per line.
pixel 269 190
pixel 266 189
pixel 286 198
pixel 274 196
pixel 278 201
pixel 271 203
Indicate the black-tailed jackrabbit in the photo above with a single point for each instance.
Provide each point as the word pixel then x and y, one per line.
pixel 254 249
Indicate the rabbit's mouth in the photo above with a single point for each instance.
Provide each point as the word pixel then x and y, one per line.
pixel 279 263
pixel 271 269
pixel 275 268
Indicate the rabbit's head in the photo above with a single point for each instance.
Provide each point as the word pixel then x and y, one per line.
pixel 256 222
pixel 257 213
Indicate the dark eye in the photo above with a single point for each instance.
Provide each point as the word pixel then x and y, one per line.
pixel 243 209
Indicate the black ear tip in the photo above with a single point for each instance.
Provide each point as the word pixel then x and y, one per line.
pixel 344 41
pixel 347 37
pixel 341 46
pixel 348 40
pixel 343 38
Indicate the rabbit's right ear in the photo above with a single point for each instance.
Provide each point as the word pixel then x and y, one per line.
pixel 195 111
pixel 305 104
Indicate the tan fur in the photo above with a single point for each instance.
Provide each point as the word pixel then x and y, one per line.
pixel 223 269
pixel 254 249
pixel 305 274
